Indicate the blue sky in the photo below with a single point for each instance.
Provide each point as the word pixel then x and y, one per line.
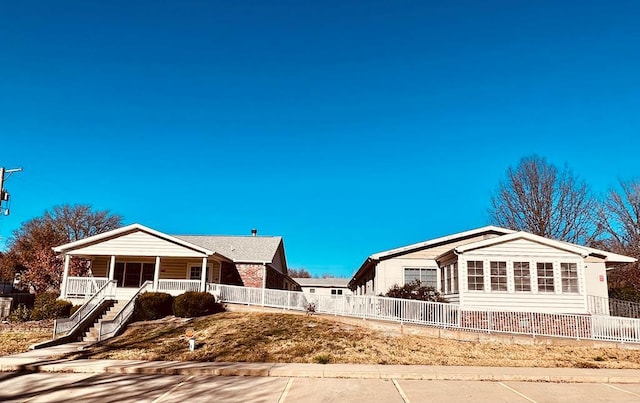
pixel 346 127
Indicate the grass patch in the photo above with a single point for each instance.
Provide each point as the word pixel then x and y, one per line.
pixel 17 337
pixel 286 338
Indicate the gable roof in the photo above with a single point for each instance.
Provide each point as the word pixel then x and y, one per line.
pixel 248 249
pixel 126 230
pixel 442 240
pixel 569 247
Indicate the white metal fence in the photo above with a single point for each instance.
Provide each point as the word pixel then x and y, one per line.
pixel 451 316
pixel 65 325
pixel 613 307
pixel 109 328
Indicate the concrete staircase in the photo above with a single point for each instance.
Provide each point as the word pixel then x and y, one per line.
pixel 91 335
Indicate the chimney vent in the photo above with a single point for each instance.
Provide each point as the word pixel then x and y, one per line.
pixel 254 232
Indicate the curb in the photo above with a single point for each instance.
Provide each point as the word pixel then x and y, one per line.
pixel 550 375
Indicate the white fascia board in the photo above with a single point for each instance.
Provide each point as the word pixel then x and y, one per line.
pixel 123 230
pixel 443 239
pixel 579 250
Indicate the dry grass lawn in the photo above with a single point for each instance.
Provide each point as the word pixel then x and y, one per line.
pixel 17 337
pixel 275 337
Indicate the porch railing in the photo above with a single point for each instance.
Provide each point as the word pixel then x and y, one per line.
pixel 109 328
pixel 66 325
pixel 83 287
pixel 167 285
pixel 613 307
pixel 451 316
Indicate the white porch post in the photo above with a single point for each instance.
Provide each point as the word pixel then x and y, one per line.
pixel 156 274
pixel 203 275
pixel 112 267
pixel 65 277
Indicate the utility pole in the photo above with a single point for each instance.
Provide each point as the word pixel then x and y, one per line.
pixel 4 195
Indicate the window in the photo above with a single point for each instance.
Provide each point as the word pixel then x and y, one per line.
pixel 498 276
pixel 569 273
pixel 312 290
pixel 336 292
pixel 521 276
pixel 545 277
pixel 454 278
pixel 475 275
pixel 443 280
pixel 195 272
pixel 428 276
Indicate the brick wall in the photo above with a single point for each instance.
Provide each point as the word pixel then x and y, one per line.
pixel 251 274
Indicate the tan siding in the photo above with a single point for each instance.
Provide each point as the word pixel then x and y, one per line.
pixel 277 263
pixel 100 266
pixel 178 268
pixel 137 244
pixel 433 252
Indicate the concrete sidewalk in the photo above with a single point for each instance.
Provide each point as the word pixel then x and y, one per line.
pixel 44 360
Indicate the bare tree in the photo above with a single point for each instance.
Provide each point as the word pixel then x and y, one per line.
pixel 538 198
pixel 299 273
pixel 619 219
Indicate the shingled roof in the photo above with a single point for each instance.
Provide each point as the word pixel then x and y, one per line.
pixel 251 249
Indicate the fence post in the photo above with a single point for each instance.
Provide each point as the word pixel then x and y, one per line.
pixel 489 321
pixel 577 327
pixel 532 322
pixel 263 296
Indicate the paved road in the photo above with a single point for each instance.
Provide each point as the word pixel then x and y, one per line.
pixel 65 387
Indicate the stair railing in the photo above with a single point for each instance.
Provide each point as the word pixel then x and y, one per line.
pixel 69 325
pixel 109 328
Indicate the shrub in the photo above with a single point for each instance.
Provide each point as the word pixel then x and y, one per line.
pixel 20 314
pixel 153 305
pixel 415 290
pixel 48 306
pixel 74 309
pixel 192 304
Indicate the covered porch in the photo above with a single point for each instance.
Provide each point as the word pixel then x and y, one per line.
pixel 135 255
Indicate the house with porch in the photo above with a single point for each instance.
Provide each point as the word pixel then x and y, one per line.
pixel 496 268
pixel 134 254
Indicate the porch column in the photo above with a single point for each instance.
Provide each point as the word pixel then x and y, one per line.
pixel 112 267
pixel 65 277
pixel 203 275
pixel 156 274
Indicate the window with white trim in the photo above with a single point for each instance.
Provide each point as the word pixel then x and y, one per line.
pixel 475 275
pixel 427 276
pixel 195 272
pixel 521 276
pixel 569 274
pixel 498 272
pixel 545 277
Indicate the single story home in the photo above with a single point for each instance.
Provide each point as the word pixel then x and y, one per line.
pixel 493 267
pixel 333 286
pixel 134 254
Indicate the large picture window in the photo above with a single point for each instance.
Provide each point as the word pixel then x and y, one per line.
pixel 521 277
pixel 545 277
pixel 498 276
pixel 427 276
pixel 475 275
pixel 569 273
